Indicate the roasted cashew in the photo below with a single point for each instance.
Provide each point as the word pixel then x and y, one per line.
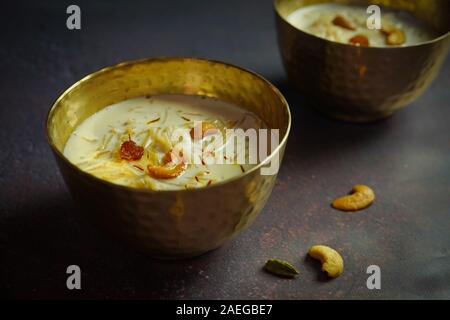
pixel 361 197
pixel 204 130
pixel 343 22
pixel 331 260
pixel 169 169
pixel 166 172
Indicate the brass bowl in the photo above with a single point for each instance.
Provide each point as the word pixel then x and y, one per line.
pixel 167 224
pixel 362 84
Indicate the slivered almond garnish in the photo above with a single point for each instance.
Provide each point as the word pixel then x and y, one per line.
pixel 359 40
pixel 137 142
pixel 89 139
pixel 343 22
pixel 98 154
pixel 154 120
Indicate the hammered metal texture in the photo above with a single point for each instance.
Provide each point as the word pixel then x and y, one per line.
pixel 362 84
pixel 168 223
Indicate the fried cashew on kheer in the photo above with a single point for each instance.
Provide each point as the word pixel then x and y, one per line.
pixel 348 24
pixel 169 170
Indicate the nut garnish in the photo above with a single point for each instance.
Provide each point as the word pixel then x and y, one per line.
pixel 361 197
pixel 332 262
pixel 394 36
pixel 343 22
pixel 359 40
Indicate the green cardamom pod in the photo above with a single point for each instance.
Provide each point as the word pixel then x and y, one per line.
pixel 280 268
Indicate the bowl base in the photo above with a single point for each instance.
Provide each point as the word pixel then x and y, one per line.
pixel 356 118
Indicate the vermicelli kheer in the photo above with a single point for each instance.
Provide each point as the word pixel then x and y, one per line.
pixel 348 24
pixel 136 143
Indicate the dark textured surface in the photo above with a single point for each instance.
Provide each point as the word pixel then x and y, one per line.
pixel 406 159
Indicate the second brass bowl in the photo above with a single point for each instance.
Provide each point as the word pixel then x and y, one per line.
pixel 362 84
pixel 179 223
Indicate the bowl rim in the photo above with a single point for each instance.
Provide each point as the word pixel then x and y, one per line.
pixel 165 59
pixel 419 44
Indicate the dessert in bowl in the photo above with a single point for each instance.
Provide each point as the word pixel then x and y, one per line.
pixel 346 23
pixel 355 73
pixel 112 134
pixel 136 142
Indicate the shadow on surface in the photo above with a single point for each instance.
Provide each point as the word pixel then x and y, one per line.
pixel 52 236
pixel 315 266
pixel 321 137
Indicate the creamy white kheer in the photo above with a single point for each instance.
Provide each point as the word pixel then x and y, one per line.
pixel 348 24
pixel 133 143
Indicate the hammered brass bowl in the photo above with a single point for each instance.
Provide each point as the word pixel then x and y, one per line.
pixel 362 84
pixel 168 224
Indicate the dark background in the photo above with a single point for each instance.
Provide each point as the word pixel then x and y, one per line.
pixel 406 159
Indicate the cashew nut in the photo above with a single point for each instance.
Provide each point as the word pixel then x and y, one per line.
pixel 170 169
pixel 165 172
pixel 361 197
pixel 331 260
